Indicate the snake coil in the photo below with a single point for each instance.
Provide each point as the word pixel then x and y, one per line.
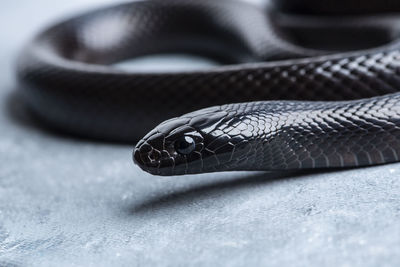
pixel 313 83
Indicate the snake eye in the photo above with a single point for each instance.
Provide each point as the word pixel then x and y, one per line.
pixel 185 145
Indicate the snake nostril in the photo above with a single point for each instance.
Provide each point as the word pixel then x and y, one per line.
pixel 154 155
pixel 144 148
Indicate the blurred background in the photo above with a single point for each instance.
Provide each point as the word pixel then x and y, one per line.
pixel 73 202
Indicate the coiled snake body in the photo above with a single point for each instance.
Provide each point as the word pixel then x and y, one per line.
pixel 314 83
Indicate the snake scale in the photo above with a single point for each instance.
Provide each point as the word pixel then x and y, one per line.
pixel 299 85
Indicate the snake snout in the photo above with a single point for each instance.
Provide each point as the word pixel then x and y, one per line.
pixel 146 156
pixel 151 159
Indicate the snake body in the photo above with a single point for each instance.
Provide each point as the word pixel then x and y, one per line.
pixel 314 84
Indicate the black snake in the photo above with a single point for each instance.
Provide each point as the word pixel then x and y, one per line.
pixel 315 83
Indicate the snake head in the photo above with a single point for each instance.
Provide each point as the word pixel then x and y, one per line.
pixel 180 145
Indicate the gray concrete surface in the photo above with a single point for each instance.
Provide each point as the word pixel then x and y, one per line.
pixel 69 202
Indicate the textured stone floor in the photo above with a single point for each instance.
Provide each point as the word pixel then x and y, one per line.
pixel 69 202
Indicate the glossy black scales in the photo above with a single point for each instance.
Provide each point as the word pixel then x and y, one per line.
pixel 318 83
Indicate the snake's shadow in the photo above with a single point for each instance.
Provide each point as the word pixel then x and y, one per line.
pixel 216 189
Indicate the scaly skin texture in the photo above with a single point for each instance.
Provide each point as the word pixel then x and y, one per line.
pixel 348 64
pixel 276 135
